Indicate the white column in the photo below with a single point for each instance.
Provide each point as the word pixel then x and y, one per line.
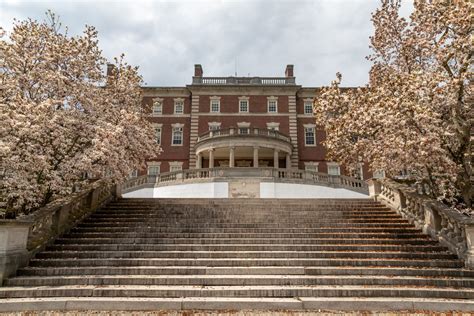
pixel 275 158
pixel 288 161
pixel 255 157
pixel 232 157
pixel 199 161
pixel 211 158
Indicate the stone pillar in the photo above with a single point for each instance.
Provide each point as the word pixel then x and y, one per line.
pixel 255 157
pixel 199 161
pixel 275 158
pixel 211 158
pixel 13 251
pixel 288 161
pixel 232 157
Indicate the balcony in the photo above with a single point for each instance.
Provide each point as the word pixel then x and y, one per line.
pixel 243 147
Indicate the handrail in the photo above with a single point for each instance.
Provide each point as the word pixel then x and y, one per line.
pixel 451 228
pixel 250 132
pixel 270 174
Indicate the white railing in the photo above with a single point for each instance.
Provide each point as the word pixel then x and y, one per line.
pixel 451 228
pixel 136 183
pixel 268 174
pixel 249 132
pixel 244 81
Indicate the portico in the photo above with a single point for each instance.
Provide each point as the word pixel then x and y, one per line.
pixel 243 147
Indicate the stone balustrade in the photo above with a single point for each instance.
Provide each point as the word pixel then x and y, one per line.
pixel 233 131
pixel 266 174
pixel 21 238
pixel 268 81
pixel 451 228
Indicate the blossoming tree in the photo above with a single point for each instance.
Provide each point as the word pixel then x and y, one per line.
pixel 62 117
pixel 417 111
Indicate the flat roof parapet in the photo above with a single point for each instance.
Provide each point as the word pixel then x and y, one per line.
pixel 266 81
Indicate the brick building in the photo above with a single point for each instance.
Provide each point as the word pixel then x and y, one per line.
pixel 237 122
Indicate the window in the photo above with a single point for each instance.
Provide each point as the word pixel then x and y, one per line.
pixel 133 173
pixel 311 166
pixel 214 126
pixel 176 166
pixel 215 105
pixel 243 104
pixel 309 135
pixel 272 106
pixel 244 128
pixel 157 108
pixel 379 174
pixel 308 107
pixel 178 107
pixel 177 135
pixel 153 170
pixel 333 169
pixel 158 135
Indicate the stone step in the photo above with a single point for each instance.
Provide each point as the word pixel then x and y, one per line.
pixel 244 247
pixel 159 215
pixel 139 225
pixel 79 262
pixel 241 254
pixel 197 230
pixel 313 241
pixel 231 223
pixel 240 235
pixel 236 270
pixel 235 291
pixel 246 280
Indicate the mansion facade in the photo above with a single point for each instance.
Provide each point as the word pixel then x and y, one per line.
pixel 238 122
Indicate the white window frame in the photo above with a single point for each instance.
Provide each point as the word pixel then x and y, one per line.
pixel 218 102
pixel 273 126
pixel 243 126
pixel 306 127
pixel 156 102
pixel 214 126
pixel 305 103
pixel 133 174
pixel 379 174
pixel 244 99
pixel 178 102
pixel 174 129
pixel 334 165
pixel 175 166
pixel 153 164
pixel 311 166
pixel 269 100
pixel 158 135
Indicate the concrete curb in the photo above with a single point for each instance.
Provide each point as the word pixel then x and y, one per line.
pixel 218 303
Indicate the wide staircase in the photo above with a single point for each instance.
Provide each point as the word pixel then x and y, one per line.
pixel 228 254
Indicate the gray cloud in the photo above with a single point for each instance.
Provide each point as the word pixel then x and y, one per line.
pixel 167 38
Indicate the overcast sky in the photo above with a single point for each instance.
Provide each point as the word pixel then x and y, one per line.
pixel 257 38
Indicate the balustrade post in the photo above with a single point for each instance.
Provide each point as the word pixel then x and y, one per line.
pixel 469 258
pixel 375 188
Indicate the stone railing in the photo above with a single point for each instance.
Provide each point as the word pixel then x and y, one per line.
pixel 21 238
pixel 451 228
pixel 233 131
pixel 140 182
pixel 266 174
pixel 270 81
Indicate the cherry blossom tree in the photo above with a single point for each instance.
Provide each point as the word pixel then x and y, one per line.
pixel 63 117
pixel 417 111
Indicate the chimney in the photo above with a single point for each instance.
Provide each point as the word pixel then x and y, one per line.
pixel 289 71
pixel 197 70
